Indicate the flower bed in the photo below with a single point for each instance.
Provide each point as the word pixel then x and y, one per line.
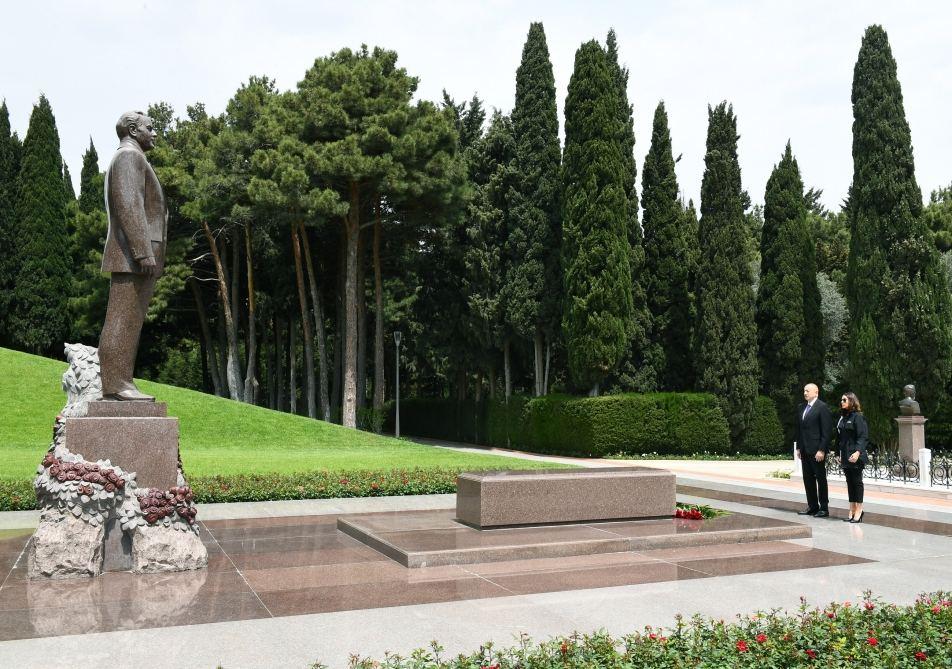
pixel 867 634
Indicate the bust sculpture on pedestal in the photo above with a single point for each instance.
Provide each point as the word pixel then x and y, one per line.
pixel 912 432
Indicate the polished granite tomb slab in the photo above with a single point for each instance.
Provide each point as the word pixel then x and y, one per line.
pixel 436 538
pixel 504 498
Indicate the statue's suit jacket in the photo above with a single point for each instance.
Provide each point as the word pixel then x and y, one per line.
pixel 138 217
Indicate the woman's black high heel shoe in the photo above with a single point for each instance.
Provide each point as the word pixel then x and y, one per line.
pixel 848 520
pixel 859 518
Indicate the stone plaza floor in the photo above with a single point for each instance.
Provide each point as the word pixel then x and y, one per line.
pixel 286 588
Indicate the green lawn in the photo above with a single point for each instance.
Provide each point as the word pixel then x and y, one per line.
pixel 218 436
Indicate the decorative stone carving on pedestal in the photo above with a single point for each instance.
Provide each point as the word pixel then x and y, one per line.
pixel 111 489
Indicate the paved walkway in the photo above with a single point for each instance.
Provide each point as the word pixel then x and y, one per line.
pixel 902 563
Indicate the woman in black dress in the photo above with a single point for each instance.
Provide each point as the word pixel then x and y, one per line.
pixel 852 437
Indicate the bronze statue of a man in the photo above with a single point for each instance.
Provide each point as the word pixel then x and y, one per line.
pixel 134 253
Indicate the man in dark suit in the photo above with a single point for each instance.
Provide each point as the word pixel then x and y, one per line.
pixel 814 425
pixel 134 253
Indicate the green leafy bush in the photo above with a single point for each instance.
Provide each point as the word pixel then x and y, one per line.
pixel 866 634
pixel 18 495
pixel 765 434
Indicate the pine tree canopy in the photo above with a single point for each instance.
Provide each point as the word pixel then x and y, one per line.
pixel 898 302
pixel 43 277
pixel 670 253
pixel 726 335
pixel 596 252
pixel 789 321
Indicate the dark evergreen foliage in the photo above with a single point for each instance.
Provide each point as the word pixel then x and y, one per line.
pixel 43 277
pixel 596 250
pixel 670 256
pixel 9 167
pixel 726 334
pixel 789 322
pixel 91 182
pixel 69 193
pixel 899 305
pixel 638 370
pixel 534 276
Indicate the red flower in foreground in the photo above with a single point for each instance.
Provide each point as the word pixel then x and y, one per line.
pixel 920 655
pixel 811 653
pixel 936 608
pixel 869 606
pixel 741 646
pixel 872 641
pixel 761 638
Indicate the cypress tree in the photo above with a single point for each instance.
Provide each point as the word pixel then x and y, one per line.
pixel 670 254
pixel 534 275
pixel 638 371
pixel 898 303
pixel 726 335
pixel 42 282
pixel 789 321
pixel 69 193
pixel 9 166
pixel 90 293
pixel 90 181
pixel 596 252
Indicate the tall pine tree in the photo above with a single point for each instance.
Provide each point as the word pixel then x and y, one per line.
pixel 596 251
pixel 535 231
pixel 670 254
pixel 637 371
pixel 9 167
pixel 898 303
pixel 789 321
pixel 90 181
pixel 726 335
pixel 40 315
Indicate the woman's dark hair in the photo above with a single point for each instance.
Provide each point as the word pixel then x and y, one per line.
pixel 852 402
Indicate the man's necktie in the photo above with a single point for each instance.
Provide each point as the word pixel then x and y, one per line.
pixel 806 411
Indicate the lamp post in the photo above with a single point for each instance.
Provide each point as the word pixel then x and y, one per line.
pixel 396 339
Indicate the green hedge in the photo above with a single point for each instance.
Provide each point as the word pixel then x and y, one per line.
pixel 18 495
pixel 662 423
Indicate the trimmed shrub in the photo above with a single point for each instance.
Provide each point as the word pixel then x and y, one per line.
pixel 765 434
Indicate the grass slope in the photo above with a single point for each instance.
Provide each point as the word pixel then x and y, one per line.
pixel 218 436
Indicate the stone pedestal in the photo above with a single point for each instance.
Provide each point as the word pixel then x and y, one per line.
pixel 912 436
pixel 499 499
pixel 133 435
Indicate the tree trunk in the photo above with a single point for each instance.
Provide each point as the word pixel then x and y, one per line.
pixel 507 368
pixel 492 382
pixel 461 384
pixel 341 321
pixel 379 363
pixel 548 360
pixel 361 322
pixel 349 408
pixel 478 395
pixel 317 302
pixel 305 322
pixel 235 389
pixel 538 345
pixel 207 337
pixel 594 391
pixel 279 400
pixel 271 361
pixel 251 380
pixel 222 349
pixel 292 365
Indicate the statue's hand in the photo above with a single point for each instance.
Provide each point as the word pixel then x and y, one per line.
pixel 149 268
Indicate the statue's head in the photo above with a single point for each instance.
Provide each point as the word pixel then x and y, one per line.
pixel 909 391
pixel 139 127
